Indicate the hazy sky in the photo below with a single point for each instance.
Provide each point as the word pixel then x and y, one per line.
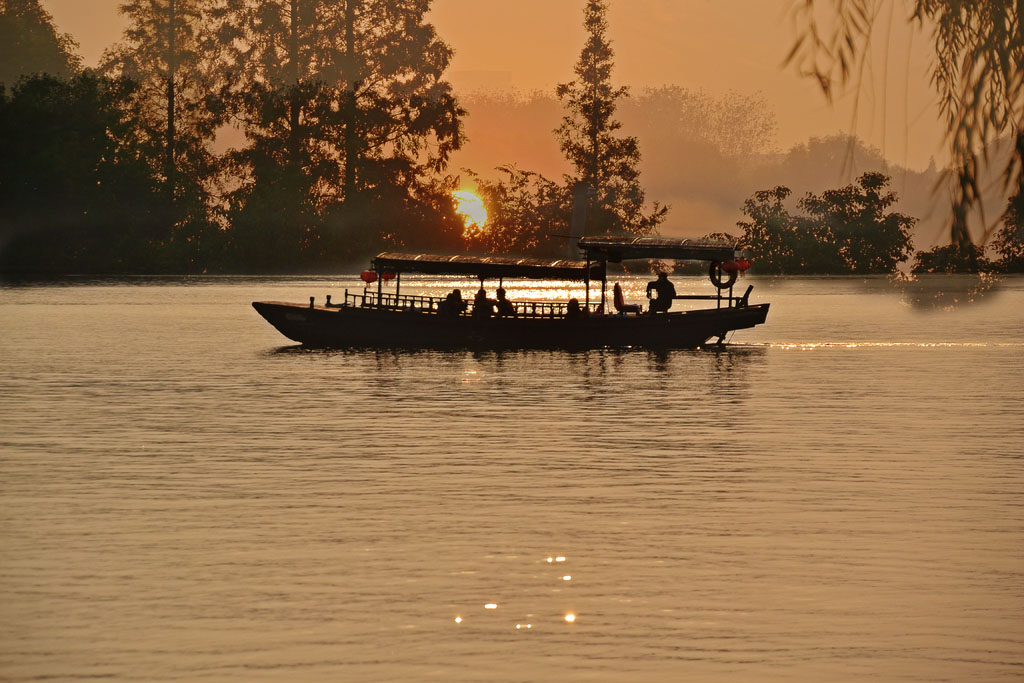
pixel 717 45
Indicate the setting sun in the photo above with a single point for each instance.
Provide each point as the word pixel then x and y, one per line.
pixel 471 208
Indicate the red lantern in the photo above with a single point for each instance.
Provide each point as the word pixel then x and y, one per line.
pixel 743 264
pixel 387 275
pixel 730 267
pixel 368 276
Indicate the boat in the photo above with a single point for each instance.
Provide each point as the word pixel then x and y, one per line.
pixel 374 317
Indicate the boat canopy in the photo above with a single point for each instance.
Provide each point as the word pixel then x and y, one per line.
pixel 489 266
pixel 617 249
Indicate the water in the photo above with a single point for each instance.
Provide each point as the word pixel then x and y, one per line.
pixel 184 495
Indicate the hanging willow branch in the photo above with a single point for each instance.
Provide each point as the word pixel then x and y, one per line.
pixel 976 72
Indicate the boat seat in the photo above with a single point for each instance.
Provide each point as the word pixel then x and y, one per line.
pixel 620 302
pixel 745 299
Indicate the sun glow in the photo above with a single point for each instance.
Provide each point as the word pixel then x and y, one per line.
pixel 472 210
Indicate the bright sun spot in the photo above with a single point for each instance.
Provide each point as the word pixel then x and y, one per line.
pixel 472 210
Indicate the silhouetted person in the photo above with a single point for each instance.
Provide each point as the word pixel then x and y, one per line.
pixel 482 306
pixel 505 307
pixel 665 291
pixel 453 304
pixel 573 310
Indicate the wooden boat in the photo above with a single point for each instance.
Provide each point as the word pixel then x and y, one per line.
pixel 386 319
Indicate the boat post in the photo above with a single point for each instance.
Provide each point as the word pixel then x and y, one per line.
pixel 380 291
pixel 398 284
pixel 604 286
pixel 718 290
pixel 586 279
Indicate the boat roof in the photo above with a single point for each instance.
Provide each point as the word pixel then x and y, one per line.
pixel 488 266
pixel 616 249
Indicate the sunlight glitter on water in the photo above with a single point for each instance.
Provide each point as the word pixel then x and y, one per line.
pixel 811 346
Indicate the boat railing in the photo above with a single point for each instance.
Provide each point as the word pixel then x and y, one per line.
pixel 524 309
pixel 430 304
pixel 399 302
pixel 729 299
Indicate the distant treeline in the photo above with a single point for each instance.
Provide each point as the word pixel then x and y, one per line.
pixel 349 130
pixel 348 126
pixel 706 156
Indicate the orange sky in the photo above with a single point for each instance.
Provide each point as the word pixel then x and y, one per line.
pixel 717 45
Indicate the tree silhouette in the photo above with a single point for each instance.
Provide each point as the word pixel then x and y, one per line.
pixel 854 220
pixel 525 210
pixel 348 118
pixel 30 44
pixel 277 90
pixel 1009 241
pixel 400 119
pixel 841 231
pixel 76 194
pixel 587 136
pixel 168 50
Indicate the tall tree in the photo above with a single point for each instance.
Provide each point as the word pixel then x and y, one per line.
pixel 277 91
pixel 606 161
pixel 30 44
pixel 352 92
pixel 401 123
pixel 401 120
pixel 168 51
pixel 75 196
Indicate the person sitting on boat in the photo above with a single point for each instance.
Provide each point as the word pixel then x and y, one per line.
pixel 506 309
pixel 665 293
pixel 482 306
pixel 573 310
pixel 453 305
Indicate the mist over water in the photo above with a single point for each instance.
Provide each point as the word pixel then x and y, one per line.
pixel 185 495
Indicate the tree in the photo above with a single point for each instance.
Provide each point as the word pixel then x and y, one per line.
pixel 348 117
pixel 979 49
pixel 952 258
pixel 169 52
pixel 841 231
pixel 524 211
pixel 30 44
pixel 1009 241
pixel 400 120
pixel 277 90
pixel 74 192
pixel 853 219
pixel 778 240
pixel 587 136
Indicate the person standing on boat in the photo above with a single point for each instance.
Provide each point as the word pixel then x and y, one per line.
pixel 665 291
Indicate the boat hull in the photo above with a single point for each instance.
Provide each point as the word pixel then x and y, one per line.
pixel 354 327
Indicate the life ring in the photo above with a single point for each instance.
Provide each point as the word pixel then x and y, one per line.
pixel 716 279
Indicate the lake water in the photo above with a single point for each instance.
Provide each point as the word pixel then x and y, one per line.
pixel 185 495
